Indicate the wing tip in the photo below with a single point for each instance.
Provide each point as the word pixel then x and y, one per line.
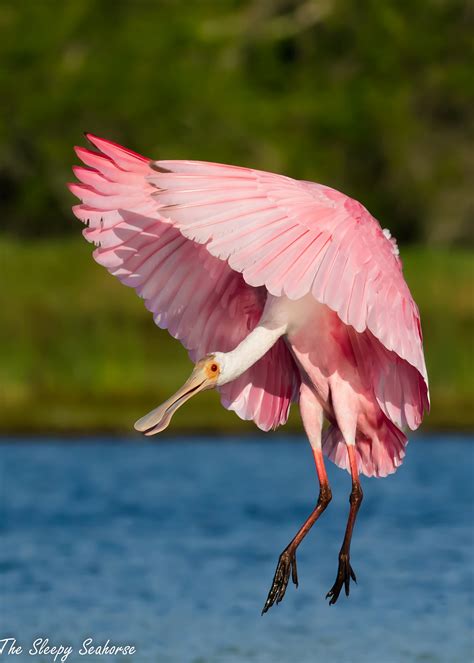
pixel 104 144
pixel 84 152
pixel 72 186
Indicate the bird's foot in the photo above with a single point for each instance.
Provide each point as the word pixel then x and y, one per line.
pixel 344 575
pixel 286 564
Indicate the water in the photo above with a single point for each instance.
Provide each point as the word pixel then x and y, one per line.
pixel 171 547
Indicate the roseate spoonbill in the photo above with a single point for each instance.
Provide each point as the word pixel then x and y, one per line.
pixel 281 290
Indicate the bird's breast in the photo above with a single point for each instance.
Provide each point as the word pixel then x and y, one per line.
pixel 321 346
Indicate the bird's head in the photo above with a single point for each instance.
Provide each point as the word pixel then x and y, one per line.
pixel 204 376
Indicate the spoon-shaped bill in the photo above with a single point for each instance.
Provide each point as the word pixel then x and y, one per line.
pixel 159 418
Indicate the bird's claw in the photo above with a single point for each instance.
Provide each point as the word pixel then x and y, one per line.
pixel 344 575
pixel 286 564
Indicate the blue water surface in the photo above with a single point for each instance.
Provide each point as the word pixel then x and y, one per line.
pixel 171 547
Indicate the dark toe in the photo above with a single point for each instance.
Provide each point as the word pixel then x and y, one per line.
pixel 286 565
pixel 343 579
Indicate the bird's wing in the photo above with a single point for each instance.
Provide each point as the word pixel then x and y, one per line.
pixel 295 237
pixel 197 297
pixel 399 388
pixel 288 236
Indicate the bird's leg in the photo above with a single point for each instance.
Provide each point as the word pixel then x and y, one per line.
pixel 345 572
pixel 312 416
pixel 287 559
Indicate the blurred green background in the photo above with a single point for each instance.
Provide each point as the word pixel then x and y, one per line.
pixel 374 99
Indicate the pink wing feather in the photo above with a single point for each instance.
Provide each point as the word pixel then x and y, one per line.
pixel 256 230
pixel 197 297
pixel 294 238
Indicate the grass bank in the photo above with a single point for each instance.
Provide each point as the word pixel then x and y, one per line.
pixel 81 354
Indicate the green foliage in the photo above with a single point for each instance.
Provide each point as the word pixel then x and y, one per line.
pixel 372 98
pixel 81 353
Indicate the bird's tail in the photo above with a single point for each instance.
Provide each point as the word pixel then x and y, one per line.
pixel 376 456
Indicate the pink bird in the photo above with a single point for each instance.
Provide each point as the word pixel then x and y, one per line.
pixel 281 290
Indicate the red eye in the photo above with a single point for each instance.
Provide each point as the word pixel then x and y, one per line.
pixel 214 368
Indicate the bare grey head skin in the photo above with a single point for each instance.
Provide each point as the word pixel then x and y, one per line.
pixel 205 375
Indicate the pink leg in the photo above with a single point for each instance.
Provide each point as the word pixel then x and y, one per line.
pixel 345 572
pixel 312 416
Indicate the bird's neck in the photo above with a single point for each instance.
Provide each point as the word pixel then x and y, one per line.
pixel 249 351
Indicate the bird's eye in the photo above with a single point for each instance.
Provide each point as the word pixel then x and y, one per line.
pixel 213 368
